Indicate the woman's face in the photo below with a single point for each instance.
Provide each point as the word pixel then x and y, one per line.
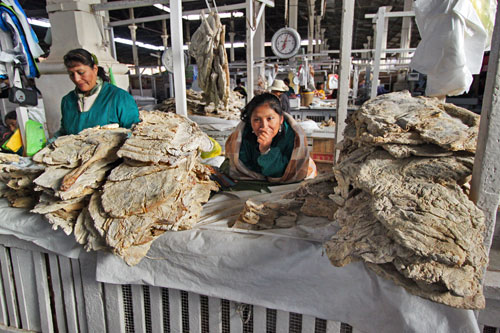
pixel 11 124
pixel 83 76
pixel 264 119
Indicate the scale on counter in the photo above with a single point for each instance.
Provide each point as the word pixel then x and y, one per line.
pixel 285 43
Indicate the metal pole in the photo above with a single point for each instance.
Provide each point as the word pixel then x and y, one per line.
pixel 249 48
pixel 485 184
pixel 345 70
pixel 178 57
pixel 379 34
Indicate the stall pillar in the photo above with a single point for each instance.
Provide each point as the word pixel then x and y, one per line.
pixel 73 25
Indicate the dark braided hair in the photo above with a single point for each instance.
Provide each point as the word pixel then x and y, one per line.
pixel 263 99
pixel 82 56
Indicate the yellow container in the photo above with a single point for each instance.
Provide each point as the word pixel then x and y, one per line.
pixel 307 97
pixel 14 143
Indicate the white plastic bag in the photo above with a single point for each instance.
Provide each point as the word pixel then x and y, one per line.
pixel 452 45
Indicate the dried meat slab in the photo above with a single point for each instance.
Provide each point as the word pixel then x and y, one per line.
pixel 73 151
pixel 140 194
pixel 130 237
pixel 312 198
pixel 413 214
pixel 164 138
pixel 402 119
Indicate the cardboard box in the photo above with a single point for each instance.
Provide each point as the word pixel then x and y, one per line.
pixel 323 150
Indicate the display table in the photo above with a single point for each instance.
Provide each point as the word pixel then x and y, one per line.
pixel 285 270
pixel 318 114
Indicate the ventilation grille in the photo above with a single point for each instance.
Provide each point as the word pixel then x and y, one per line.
pixel 345 328
pixel 128 308
pixel 226 316
pixel 320 326
pixel 185 311
pixel 488 329
pixel 270 320
pixel 244 311
pixel 295 323
pixel 147 308
pixel 166 310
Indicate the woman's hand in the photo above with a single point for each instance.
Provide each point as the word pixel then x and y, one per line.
pixel 264 139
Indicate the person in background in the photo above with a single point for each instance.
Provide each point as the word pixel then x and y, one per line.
pixel 268 144
pixel 94 101
pixel 240 88
pixel 279 89
pixel 291 91
pixel 320 90
pixel 9 128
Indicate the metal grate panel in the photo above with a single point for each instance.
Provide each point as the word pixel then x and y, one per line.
pixel 320 326
pixel 128 308
pixel 345 328
pixel 248 319
pixel 270 321
pixel 185 311
pixel 166 310
pixel 204 314
pixel 226 317
pixel 147 308
pixel 295 323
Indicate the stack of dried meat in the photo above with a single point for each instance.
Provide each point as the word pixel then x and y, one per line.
pixel 75 166
pixel 160 186
pixel 207 47
pixel 197 106
pixel 311 199
pixel 16 180
pixel 405 164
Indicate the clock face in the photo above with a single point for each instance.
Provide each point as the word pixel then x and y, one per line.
pixel 285 43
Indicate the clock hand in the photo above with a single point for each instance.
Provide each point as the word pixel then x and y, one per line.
pixel 284 43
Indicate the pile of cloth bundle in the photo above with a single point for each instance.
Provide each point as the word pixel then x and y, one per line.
pixel 196 105
pixel 118 190
pixel 402 188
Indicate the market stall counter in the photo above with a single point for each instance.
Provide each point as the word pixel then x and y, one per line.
pixel 285 270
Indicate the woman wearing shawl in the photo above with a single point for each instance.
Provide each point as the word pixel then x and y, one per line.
pixel 268 145
pixel 94 101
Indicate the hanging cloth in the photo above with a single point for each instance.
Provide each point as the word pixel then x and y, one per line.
pixel 25 43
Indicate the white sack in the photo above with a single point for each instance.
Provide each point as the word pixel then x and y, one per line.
pixel 452 45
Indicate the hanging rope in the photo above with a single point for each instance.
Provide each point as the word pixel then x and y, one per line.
pixel 215 6
pixel 208 6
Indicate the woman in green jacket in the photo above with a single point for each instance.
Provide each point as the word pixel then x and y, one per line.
pixel 94 101
pixel 268 144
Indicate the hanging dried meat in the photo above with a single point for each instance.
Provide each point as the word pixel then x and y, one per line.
pixel 160 186
pixel 405 163
pixel 207 47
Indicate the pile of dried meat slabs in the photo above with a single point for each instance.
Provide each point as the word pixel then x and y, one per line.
pixel 402 182
pixel 119 190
